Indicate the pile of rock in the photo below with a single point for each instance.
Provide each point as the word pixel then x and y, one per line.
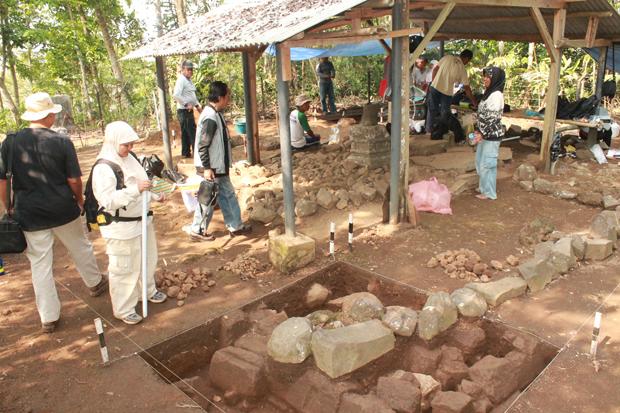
pixel 465 264
pixel 179 284
pixel 246 266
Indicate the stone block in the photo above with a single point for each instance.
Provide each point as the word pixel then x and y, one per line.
pixel 313 392
pixel 316 295
pixel 422 145
pixel 594 199
pixel 232 326
pixel 525 172
pixel 525 367
pixel 469 302
pixel 290 340
pixel 496 292
pixel 452 402
pixel 288 253
pixel 496 376
pixel 542 250
pixel 325 198
pixel 464 183
pixel 429 320
pixel 544 186
pixel 401 320
pixel 263 321
pixel 610 203
pixel 562 257
pixel 468 337
pixel 458 161
pixel 472 389
pixel 527 185
pixel 419 359
pixel 537 273
pixel 305 207
pixel 239 371
pixel 603 227
pixel 253 342
pixel 428 387
pixel 448 311
pixel 262 213
pixel 598 249
pixel 358 307
pixel 358 403
pixel 343 350
pixel 451 372
pixel 399 394
pixel 579 246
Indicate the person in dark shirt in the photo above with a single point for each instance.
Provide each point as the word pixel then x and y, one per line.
pixel 48 200
pixel 326 72
pixel 213 159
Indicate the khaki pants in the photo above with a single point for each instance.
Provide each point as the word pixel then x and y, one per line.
pixel 125 269
pixel 41 256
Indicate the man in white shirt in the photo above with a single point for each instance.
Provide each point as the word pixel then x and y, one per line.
pixel 185 96
pixel 421 75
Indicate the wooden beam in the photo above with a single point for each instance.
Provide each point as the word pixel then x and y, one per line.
pixel 493 19
pixel 329 41
pixel 481 36
pixel 581 43
pixel 545 4
pixel 553 88
pixel 544 32
pixel 445 12
pixel 591 32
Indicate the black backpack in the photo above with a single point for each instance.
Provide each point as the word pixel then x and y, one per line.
pixel 94 214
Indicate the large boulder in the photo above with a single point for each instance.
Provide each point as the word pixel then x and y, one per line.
pixel 290 341
pixel 262 213
pixel 537 273
pixel 544 186
pixel 305 207
pixel 496 292
pixel 358 307
pixel 605 225
pixel 401 320
pixel 469 302
pixel 448 311
pixel 343 350
pixel 525 172
pixel 326 199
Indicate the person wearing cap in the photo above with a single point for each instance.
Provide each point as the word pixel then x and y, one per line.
pixel 124 237
pixel 47 188
pixel 325 71
pixel 185 96
pixel 213 159
pixel 302 135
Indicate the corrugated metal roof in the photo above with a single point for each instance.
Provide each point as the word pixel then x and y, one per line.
pixel 238 25
pixel 260 22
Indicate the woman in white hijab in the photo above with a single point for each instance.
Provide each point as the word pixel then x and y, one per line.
pixel 124 238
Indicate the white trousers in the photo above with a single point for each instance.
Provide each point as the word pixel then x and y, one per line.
pixel 41 256
pixel 125 269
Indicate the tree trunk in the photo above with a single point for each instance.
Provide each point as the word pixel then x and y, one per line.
pixel 14 77
pixel 159 21
pixel 500 47
pixel 531 52
pixel 179 6
pixel 6 97
pixel 109 45
pixel 92 70
pixel 84 78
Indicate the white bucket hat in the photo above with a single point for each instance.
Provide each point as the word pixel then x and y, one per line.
pixel 301 99
pixel 38 106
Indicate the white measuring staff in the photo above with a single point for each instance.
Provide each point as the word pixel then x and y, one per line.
pixel 146 195
pixel 102 345
pixel 350 232
pixel 595 331
pixel 332 230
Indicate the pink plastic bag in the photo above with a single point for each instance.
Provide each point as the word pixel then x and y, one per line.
pixel 431 196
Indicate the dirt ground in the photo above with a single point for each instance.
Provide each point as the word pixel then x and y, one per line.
pixel 62 372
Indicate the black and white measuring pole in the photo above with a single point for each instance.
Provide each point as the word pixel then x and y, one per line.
pixel 350 232
pixel 332 230
pixel 595 332
pixel 102 345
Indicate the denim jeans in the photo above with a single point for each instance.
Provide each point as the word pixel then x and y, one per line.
pixel 326 90
pixel 487 153
pixel 227 199
pixel 438 108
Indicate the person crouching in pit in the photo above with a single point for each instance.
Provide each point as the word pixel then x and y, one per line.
pixel 124 237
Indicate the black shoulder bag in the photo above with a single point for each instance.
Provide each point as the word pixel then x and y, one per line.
pixel 12 238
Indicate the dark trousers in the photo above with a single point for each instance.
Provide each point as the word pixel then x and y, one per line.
pixel 326 92
pixel 188 131
pixel 438 109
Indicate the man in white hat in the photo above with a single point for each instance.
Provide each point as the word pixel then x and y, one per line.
pixel 48 200
pixel 185 96
pixel 302 135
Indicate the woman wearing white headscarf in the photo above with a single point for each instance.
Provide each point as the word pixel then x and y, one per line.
pixel 124 238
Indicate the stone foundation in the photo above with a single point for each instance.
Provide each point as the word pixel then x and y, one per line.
pixel 370 146
pixel 290 253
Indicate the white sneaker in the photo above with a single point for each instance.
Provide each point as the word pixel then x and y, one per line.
pixel 158 297
pixel 133 318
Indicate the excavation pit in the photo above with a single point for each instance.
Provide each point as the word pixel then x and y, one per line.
pixel 479 364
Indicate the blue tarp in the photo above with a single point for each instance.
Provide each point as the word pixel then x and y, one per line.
pixel 367 48
pixel 611 65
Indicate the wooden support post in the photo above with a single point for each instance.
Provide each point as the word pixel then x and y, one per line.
pixel 254 103
pixel 286 156
pixel 160 69
pixel 553 88
pixel 544 32
pixel 592 29
pixel 395 141
pixel 600 73
pixel 445 12
pixel 249 107
pixel 404 114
